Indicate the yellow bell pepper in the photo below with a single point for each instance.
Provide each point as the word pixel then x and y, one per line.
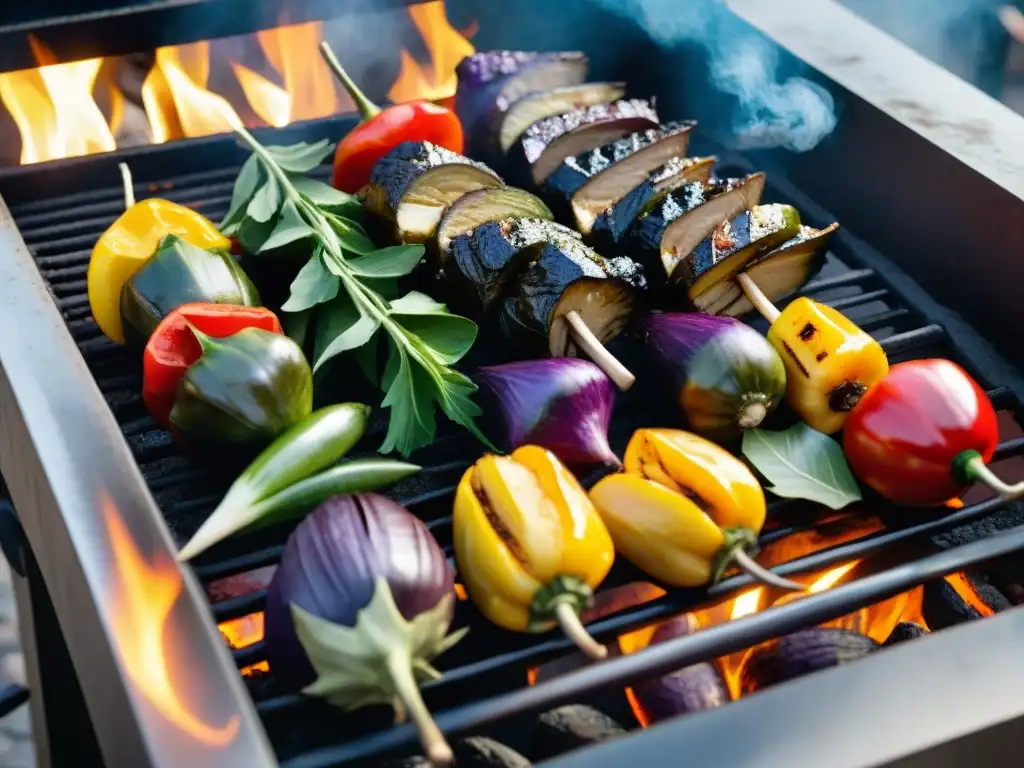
pixel 128 244
pixel 830 362
pixel 684 509
pixel 529 546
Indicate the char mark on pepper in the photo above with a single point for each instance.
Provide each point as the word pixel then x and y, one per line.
pixel 807 332
pixel 796 360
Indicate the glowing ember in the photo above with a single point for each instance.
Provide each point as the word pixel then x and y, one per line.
pixel 447 47
pixel 143 596
pixel 243 632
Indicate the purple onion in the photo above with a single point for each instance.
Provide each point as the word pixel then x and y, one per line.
pixel 691 689
pixel 562 404
pixel 334 568
pixel 802 653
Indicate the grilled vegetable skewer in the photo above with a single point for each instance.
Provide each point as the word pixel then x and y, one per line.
pixel 830 362
pixel 684 510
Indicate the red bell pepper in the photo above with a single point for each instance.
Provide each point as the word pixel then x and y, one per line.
pixel 172 347
pixel 382 130
pixel 923 434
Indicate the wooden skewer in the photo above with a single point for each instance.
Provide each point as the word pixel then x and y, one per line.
pixel 597 352
pixel 126 182
pixel 756 297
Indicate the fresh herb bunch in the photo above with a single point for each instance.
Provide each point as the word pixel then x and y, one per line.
pixel 351 282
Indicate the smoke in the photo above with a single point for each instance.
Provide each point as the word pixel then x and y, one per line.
pixel 771 110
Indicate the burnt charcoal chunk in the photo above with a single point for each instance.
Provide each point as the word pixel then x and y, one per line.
pixel 481 752
pixel 571 727
pixel 904 631
pixel 944 607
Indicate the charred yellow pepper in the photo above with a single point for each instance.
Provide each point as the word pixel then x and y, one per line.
pixel 129 242
pixel 529 545
pixel 830 362
pixel 684 509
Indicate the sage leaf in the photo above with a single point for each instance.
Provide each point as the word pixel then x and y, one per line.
pixel 265 202
pixel 351 237
pixel 313 285
pixel 366 358
pixel 296 325
pixel 340 328
pixel 290 228
pixel 301 157
pixel 245 186
pixel 416 303
pixel 802 463
pixel 328 198
pixel 397 261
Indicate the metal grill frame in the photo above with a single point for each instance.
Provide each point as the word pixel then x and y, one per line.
pixel 61 451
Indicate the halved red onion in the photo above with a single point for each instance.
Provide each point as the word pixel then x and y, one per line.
pixel 361 602
pixel 562 404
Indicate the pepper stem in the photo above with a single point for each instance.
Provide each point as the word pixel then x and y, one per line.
pixel 970 467
pixel 756 297
pixel 573 628
pixel 734 553
pixel 411 703
pixel 367 109
pixel 205 342
pixel 598 352
pixel 126 183
pixel 751 415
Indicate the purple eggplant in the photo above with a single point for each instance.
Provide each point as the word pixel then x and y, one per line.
pixel 727 376
pixel 691 689
pixel 491 81
pixel 360 604
pixel 800 654
pixel 563 404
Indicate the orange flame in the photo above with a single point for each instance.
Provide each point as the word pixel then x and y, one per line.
pixel 243 632
pixel 146 593
pixel 447 47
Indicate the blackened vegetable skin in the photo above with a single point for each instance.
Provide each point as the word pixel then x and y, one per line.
pixel 481 265
pixel 800 654
pixel 564 277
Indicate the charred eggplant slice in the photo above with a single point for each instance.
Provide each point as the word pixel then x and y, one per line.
pixel 547 143
pixel 671 229
pixel 557 101
pixel 482 263
pixel 705 277
pixel 412 186
pixel 612 227
pixel 491 204
pixel 782 271
pixel 563 277
pixel 491 81
pixel 585 185
pixel 800 654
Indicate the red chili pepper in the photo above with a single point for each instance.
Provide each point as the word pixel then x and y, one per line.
pixel 382 130
pixel 172 347
pixel 923 434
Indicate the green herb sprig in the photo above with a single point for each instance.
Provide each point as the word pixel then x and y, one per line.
pixel 351 282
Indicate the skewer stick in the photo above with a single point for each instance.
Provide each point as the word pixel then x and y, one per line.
pixel 597 352
pixel 126 182
pixel 756 297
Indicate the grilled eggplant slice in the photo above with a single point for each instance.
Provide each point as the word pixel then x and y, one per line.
pixel 704 279
pixel 492 204
pixel 612 227
pixel 482 263
pixel 781 272
pixel 557 101
pixel 491 81
pixel 585 185
pixel 412 186
pixel 681 219
pixel 566 276
pixel 548 142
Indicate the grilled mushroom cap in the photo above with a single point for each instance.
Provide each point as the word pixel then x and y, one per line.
pixel 412 186
pixel 491 81
pixel 567 276
pixel 673 227
pixel 556 101
pixel 492 204
pixel 548 142
pixel 704 278
pixel 782 271
pixel 586 184
pixel 482 263
pixel 612 228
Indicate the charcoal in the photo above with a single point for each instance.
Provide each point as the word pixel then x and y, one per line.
pixel 905 630
pixel 943 607
pixel 481 752
pixel 571 727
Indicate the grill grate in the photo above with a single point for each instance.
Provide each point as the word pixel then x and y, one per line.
pixel 61 229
